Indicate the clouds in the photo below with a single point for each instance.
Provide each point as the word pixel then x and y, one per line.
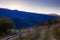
pixel 38 6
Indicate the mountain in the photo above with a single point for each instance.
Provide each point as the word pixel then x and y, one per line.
pixel 24 19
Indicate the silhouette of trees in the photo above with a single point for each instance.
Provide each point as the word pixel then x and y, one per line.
pixel 6 24
pixel 53 21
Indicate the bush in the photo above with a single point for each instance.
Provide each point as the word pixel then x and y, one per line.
pixel 6 24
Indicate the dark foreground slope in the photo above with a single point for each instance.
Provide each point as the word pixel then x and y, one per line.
pixel 24 19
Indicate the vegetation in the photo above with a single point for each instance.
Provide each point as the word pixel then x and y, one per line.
pixel 44 33
pixel 33 33
pixel 6 24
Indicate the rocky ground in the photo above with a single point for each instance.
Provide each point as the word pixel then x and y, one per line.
pixel 37 33
pixel 41 33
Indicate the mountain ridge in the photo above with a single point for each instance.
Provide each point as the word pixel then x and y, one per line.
pixel 22 18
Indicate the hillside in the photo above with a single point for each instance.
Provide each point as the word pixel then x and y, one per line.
pixel 24 19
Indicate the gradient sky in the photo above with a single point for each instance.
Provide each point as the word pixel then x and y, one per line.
pixel 37 6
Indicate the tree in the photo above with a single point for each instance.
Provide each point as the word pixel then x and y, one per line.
pixel 6 24
pixel 51 22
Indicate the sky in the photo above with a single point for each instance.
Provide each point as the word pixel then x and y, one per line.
pixel 36 6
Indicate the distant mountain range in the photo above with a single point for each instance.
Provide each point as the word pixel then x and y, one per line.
pixel 24 19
